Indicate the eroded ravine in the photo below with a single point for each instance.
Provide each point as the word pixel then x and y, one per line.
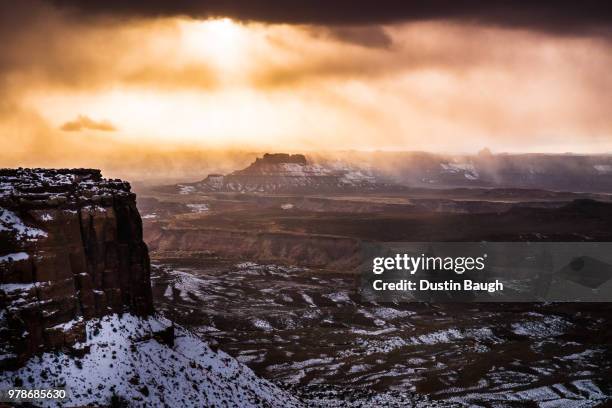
pixel 310 330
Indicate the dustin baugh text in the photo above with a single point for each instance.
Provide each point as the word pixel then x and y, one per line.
pixel 447 285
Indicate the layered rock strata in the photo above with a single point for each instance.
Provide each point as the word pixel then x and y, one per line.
pixel 71 248
pixel 281 172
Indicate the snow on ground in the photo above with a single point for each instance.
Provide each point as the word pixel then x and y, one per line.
pixel 374 345
pixel 262 324
pixel 579 393
pixel 468 169
pixel 245 265
pixel 389 313
pixel 540 326
pixel 339 297
pixel 451 335
pixel 337 396
pixel 125 361
pixel 308 300
pixel 186 189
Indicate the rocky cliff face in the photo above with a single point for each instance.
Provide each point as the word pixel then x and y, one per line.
pixel 71 249
pixel 318 251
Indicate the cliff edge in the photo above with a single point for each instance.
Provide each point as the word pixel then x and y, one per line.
pixel 71 249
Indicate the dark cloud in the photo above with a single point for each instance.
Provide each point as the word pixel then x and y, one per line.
pixel 562 16
pixel 85 122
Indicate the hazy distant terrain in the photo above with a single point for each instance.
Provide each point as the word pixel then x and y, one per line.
pixel 260 262
pixel 559 172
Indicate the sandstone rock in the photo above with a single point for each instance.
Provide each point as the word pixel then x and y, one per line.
pixel 71 248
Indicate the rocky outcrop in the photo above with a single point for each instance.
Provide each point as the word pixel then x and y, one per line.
pixel 71 248
pixel 279 158
pixel 129 361
pixel 281 172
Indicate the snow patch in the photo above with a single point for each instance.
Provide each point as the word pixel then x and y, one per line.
pixel 9 221
pixel 198 208
pixel 46 217
pixel 540 326
pixel 339 297
pixel 603 168
pixel 468 169
pixel 262 325
pixel 20 287
pixel 186 189
pixel 68 325
pixel 18 256
pixel 125 360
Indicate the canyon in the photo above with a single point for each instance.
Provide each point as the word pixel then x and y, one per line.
pixel 76 306
pixel 249 296
pixel 268 275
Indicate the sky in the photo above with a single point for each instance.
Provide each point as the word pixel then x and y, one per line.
pixel 93 83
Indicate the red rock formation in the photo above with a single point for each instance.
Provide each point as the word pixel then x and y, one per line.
pixel 281 172
pixel 71 248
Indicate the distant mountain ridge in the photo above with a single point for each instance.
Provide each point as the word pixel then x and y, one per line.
pixel 396 171
pixel 559 172
pixel 281 172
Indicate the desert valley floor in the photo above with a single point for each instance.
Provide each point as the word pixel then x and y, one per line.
pixel 233 268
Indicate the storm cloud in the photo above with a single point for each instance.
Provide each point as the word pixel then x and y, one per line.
pixel 412 75
pixel 561 16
